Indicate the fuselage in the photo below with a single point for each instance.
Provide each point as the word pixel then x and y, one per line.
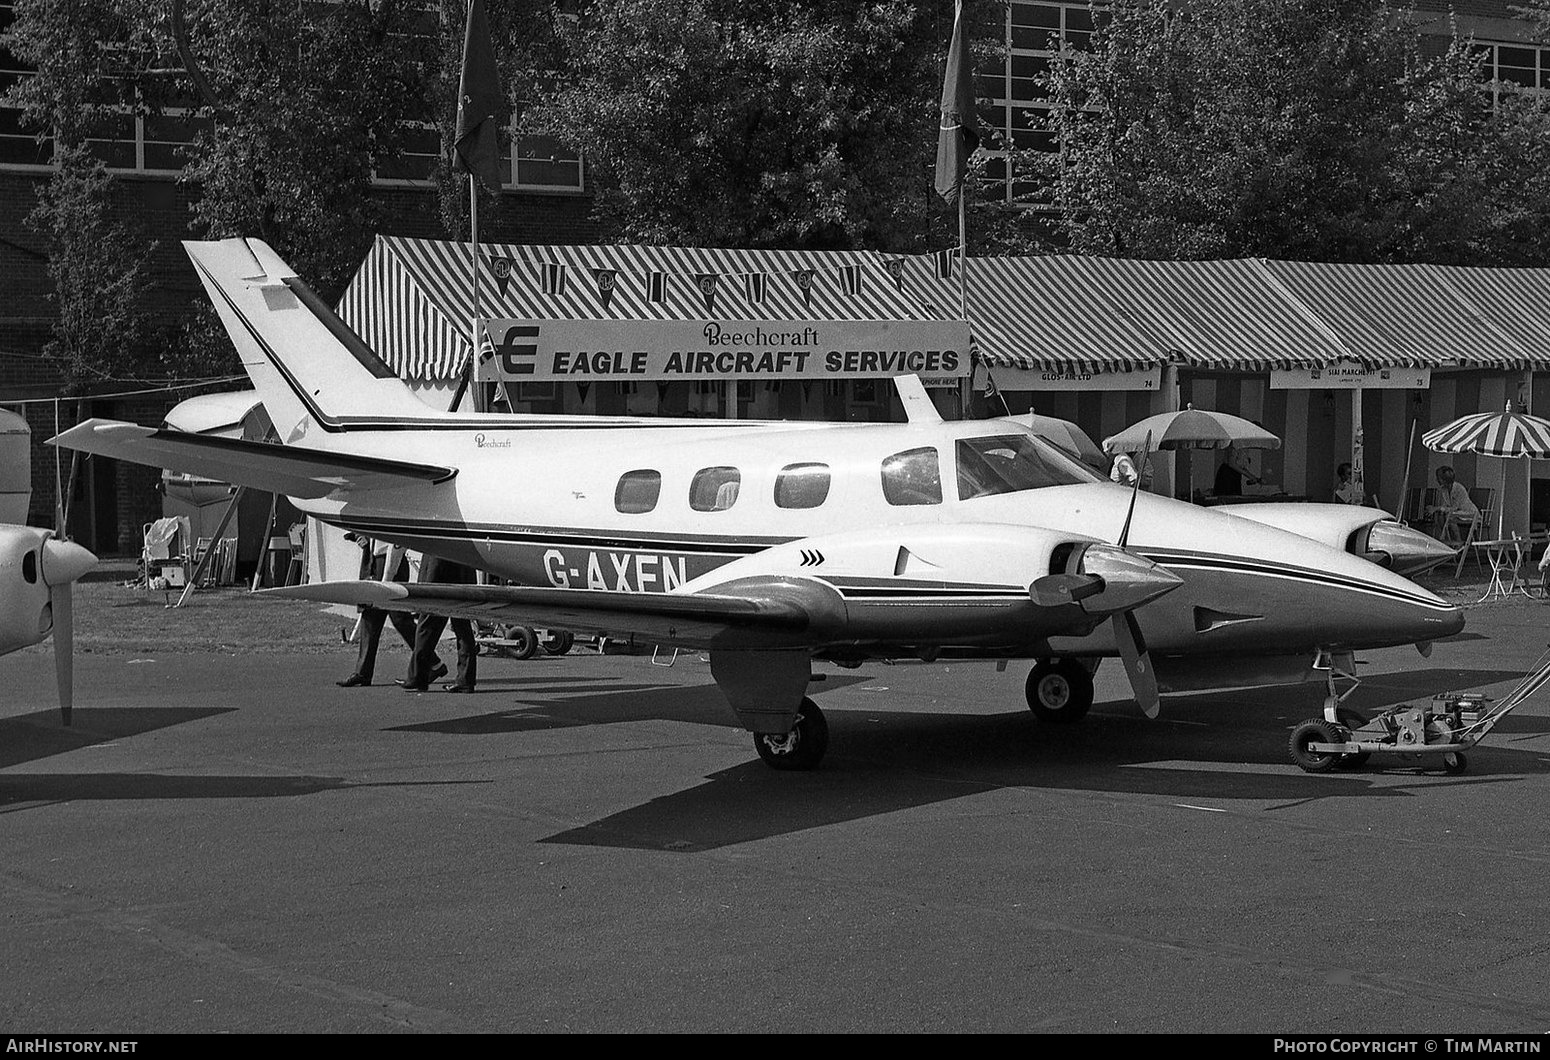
pixel 652 507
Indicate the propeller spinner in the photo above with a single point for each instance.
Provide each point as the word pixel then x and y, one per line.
pixel 37 570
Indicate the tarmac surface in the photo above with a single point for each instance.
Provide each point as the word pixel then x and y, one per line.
pixel 589 843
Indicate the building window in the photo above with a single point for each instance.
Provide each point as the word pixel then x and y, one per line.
pixel 1012 86
pixel 19 146
pixel 1514 67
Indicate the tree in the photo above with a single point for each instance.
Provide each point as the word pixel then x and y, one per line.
pixel 1310 129
pixel 764 123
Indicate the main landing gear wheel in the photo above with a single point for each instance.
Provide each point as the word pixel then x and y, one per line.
pixel 1454 763
pixel 802 747
pixel 1316 730
pixel 1059 691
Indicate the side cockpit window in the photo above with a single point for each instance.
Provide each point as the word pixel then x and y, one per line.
pixel 715 489
pixel 802 486
pixel 637 492
pixel 912 477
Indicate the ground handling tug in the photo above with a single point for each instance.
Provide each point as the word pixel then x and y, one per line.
pixel 1429 737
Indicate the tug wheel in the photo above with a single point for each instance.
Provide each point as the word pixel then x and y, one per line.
pixel 1454 763
pixel 1059 691
pixel 1314 730
pixel 557 643
pixel 802 747
pixel 1352 720
pixel 525 642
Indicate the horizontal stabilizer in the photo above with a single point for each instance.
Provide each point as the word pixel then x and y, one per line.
pixel 685 619
pixel 291 470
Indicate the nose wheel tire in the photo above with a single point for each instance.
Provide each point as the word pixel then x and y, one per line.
pixel 1455 763
pixel 1316 730
pixel 1059 691
pixel 557 643
pixel 801 748
pixel 1353 720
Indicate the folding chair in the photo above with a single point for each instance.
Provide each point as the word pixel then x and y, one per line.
pixel 296 570
pixel 1451 531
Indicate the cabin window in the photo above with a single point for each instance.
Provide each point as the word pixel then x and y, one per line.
pixel 638 491
pixel 802 486
pixel 912 477
pixel 1009 463
pixel 714 489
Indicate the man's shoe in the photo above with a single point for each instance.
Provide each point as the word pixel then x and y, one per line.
pixel 438 671
pixel 456 688
pixel 354 681
pixel 407 687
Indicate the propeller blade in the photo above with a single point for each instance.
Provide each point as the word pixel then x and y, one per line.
pixel 60 564
pixel 1056 590
pixel 59 598
pixel 1138 663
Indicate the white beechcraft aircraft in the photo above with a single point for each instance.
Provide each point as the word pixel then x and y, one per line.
pixel 772 544
pixel 37 569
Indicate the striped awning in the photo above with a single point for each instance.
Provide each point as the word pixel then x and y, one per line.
pixel 1395 315
pixel 411 301
pixel 1493 434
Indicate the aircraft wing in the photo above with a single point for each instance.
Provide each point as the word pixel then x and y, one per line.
pixel 292 470
pixel 767 612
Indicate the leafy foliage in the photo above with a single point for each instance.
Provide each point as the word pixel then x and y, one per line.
pixel 767 123
pixel 1312 129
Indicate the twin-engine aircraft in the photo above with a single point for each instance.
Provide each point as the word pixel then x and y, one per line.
pixel 770 545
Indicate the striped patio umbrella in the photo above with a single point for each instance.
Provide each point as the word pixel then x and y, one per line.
pixel 1191 428
pixel 1504 434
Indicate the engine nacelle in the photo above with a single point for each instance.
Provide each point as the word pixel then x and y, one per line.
pixel 1370 533
pixel 25 615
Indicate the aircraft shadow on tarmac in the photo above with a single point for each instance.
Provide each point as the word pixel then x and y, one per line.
pixel 27 737
pixel 1219 745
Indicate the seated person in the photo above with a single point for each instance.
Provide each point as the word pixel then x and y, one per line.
pixel 1346 490
pixel 1234 471
pixel 1454 509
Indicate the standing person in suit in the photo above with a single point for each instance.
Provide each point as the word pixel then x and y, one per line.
pixel 380 561
pixel 424 667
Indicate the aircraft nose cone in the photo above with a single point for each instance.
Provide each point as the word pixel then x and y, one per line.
pixel 1129 580
pixel 1410 551
pixel 64 561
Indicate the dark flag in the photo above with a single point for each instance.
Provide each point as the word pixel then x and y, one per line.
pixel 944 263
pixel 959 134
pixel 804 278
pixel 850 279
pixel 606 280
pixel 481 103
pixel 554 278
pixel 706 282
pixel 656 286
pixel 503 269
pixel 755 285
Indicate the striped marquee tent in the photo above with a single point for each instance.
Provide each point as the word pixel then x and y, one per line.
pixel 410 301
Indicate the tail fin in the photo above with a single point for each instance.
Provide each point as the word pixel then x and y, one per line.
pixel 312 372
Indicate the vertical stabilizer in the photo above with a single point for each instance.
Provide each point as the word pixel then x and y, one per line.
pixel 311 371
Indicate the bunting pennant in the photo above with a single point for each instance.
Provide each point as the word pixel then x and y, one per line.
pixel 804 279
pixel 656 286
pixel 850 279
pixel 706 282
pixel 756 283
pixel 503 268
pixel 895 268
pixel 554 278
pixel 607 280
pixel 944 263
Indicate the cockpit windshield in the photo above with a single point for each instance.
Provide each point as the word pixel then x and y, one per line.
pixel 1010 463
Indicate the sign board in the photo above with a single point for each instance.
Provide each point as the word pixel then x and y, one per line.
pixel 1350 375
pixel 584 351
pixel 1075 379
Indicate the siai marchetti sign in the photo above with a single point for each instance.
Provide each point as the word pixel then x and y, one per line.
pixel 532 351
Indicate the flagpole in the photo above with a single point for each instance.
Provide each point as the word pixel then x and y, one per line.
pixel 473 348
